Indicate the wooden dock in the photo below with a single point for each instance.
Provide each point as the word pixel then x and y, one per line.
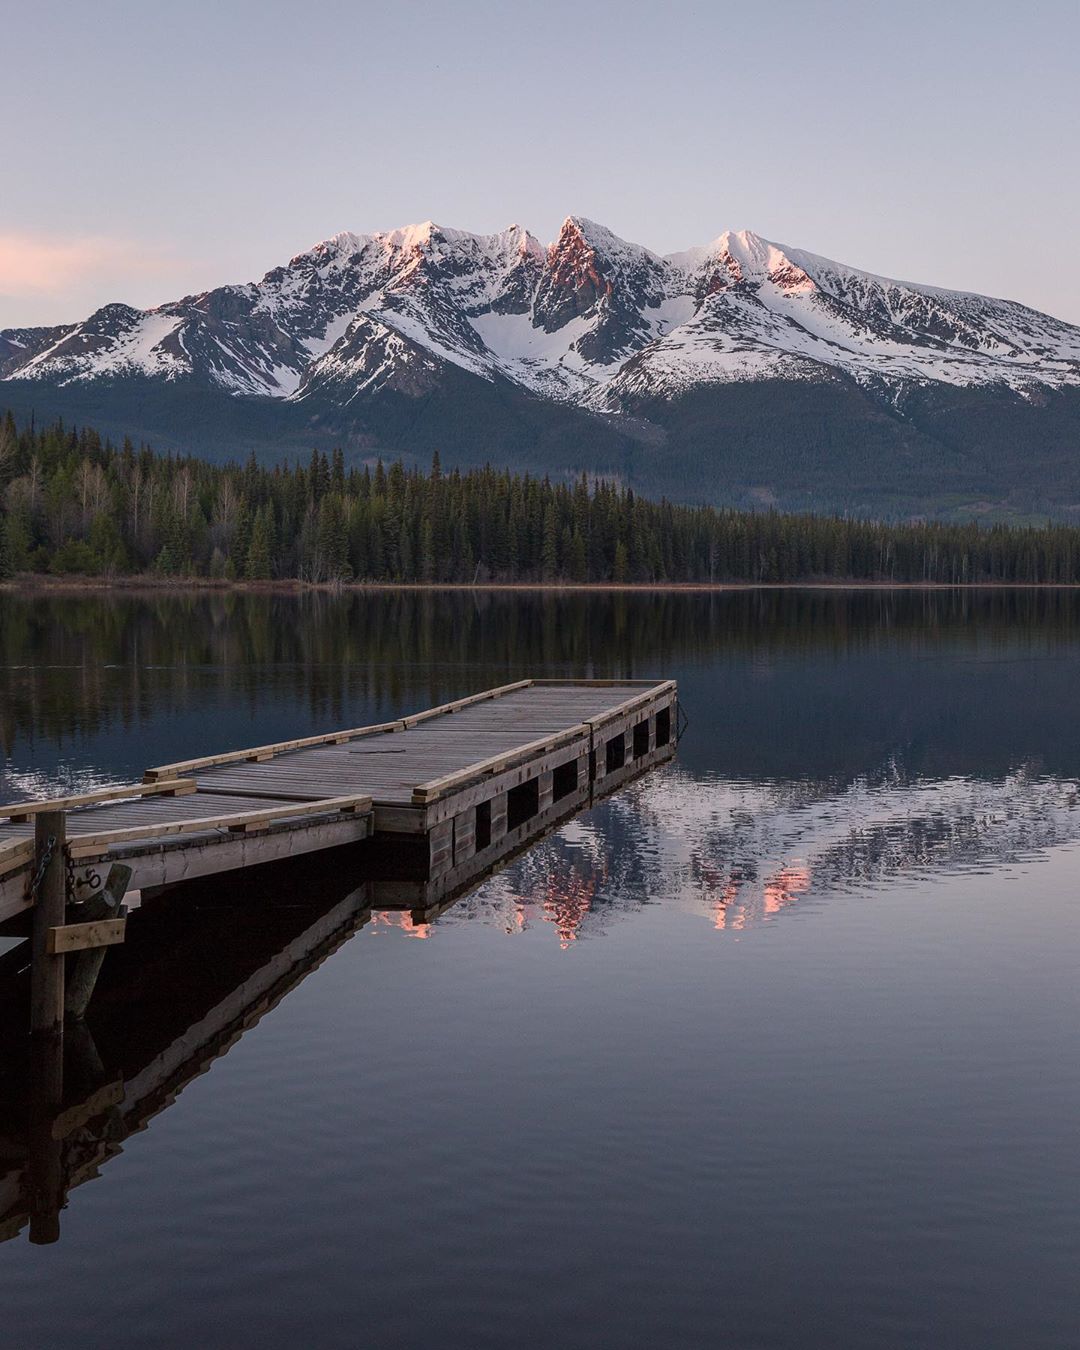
pixel 435 802
pixel 435 795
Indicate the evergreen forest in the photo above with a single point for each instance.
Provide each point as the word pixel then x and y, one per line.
pixel 72 503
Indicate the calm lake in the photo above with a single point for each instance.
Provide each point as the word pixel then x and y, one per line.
pixel 775 1048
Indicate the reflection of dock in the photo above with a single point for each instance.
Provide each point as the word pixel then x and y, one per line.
pixel 81 1103
pixel 164 1012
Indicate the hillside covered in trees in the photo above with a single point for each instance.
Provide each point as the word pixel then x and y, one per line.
pixel 72 504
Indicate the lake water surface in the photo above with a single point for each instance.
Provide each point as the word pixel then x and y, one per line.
pixel 776 1048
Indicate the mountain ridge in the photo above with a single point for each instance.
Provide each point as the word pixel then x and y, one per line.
pixel 376 337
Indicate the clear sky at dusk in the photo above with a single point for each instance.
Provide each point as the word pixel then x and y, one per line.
pixel 150 150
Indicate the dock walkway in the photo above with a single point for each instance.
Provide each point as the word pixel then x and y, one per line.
pixel 471 777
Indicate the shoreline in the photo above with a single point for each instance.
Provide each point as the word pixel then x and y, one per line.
pixel 33 584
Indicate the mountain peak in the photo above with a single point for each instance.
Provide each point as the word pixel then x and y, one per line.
pixel 520 239
pixel 599 238
pixel 343 244
pixel 410 237
pixel 740 257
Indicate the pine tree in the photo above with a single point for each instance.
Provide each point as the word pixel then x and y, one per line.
pixel 258 564
pixel 337 473
pixel 426 563
pixel 333 539
pixel 577 564
pixel 549 547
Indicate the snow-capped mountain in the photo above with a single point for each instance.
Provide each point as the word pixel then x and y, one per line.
pixel 590 319
pixel 377 336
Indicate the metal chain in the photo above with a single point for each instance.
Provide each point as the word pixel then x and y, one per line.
pixel 92 878
pixel 43 866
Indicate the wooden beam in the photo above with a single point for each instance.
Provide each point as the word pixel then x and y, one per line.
pixel 175 787
pixel 654 692
pixel 191 856
pixel 15 855
pixel 444 708
pixel 81 937
pixel 601 684
pixel 428 792
pixel 83 845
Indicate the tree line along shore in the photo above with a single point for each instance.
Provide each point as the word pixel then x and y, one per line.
pixel 72 504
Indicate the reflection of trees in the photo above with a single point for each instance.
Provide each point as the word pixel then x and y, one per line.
pixel 76 663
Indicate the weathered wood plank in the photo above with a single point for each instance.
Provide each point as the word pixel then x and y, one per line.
pixel 265 751
pixel 15 855
pixel 571 683
pixel 428 792
pixel 21 811
pixel 272 815
pixel 629 705
pixel 82 937
pixel 444 708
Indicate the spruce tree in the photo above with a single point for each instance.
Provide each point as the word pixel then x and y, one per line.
pixel 258 564
pixel 549 546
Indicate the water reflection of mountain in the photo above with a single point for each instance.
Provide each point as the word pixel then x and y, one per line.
pixel 739 852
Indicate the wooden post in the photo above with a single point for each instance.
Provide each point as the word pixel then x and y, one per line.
pixel 86 966
pixel 441 847
pixel 464 835
pixel 46 971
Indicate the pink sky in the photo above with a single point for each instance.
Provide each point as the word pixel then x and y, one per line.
pixel 183 147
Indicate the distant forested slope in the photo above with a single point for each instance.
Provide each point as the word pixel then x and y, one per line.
pixel 72 503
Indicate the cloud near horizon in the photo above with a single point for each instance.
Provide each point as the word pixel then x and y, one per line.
pixel 40 272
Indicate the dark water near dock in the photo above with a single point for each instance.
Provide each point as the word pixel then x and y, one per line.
pixel 774 1049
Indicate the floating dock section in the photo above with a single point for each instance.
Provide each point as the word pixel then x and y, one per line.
pixel 438 792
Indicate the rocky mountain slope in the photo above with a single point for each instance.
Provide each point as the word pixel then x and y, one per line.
pixel 741 370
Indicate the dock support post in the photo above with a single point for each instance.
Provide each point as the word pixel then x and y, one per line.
pixel 47 970
pixel 441 847
pixel 464 836
pixel 86 966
